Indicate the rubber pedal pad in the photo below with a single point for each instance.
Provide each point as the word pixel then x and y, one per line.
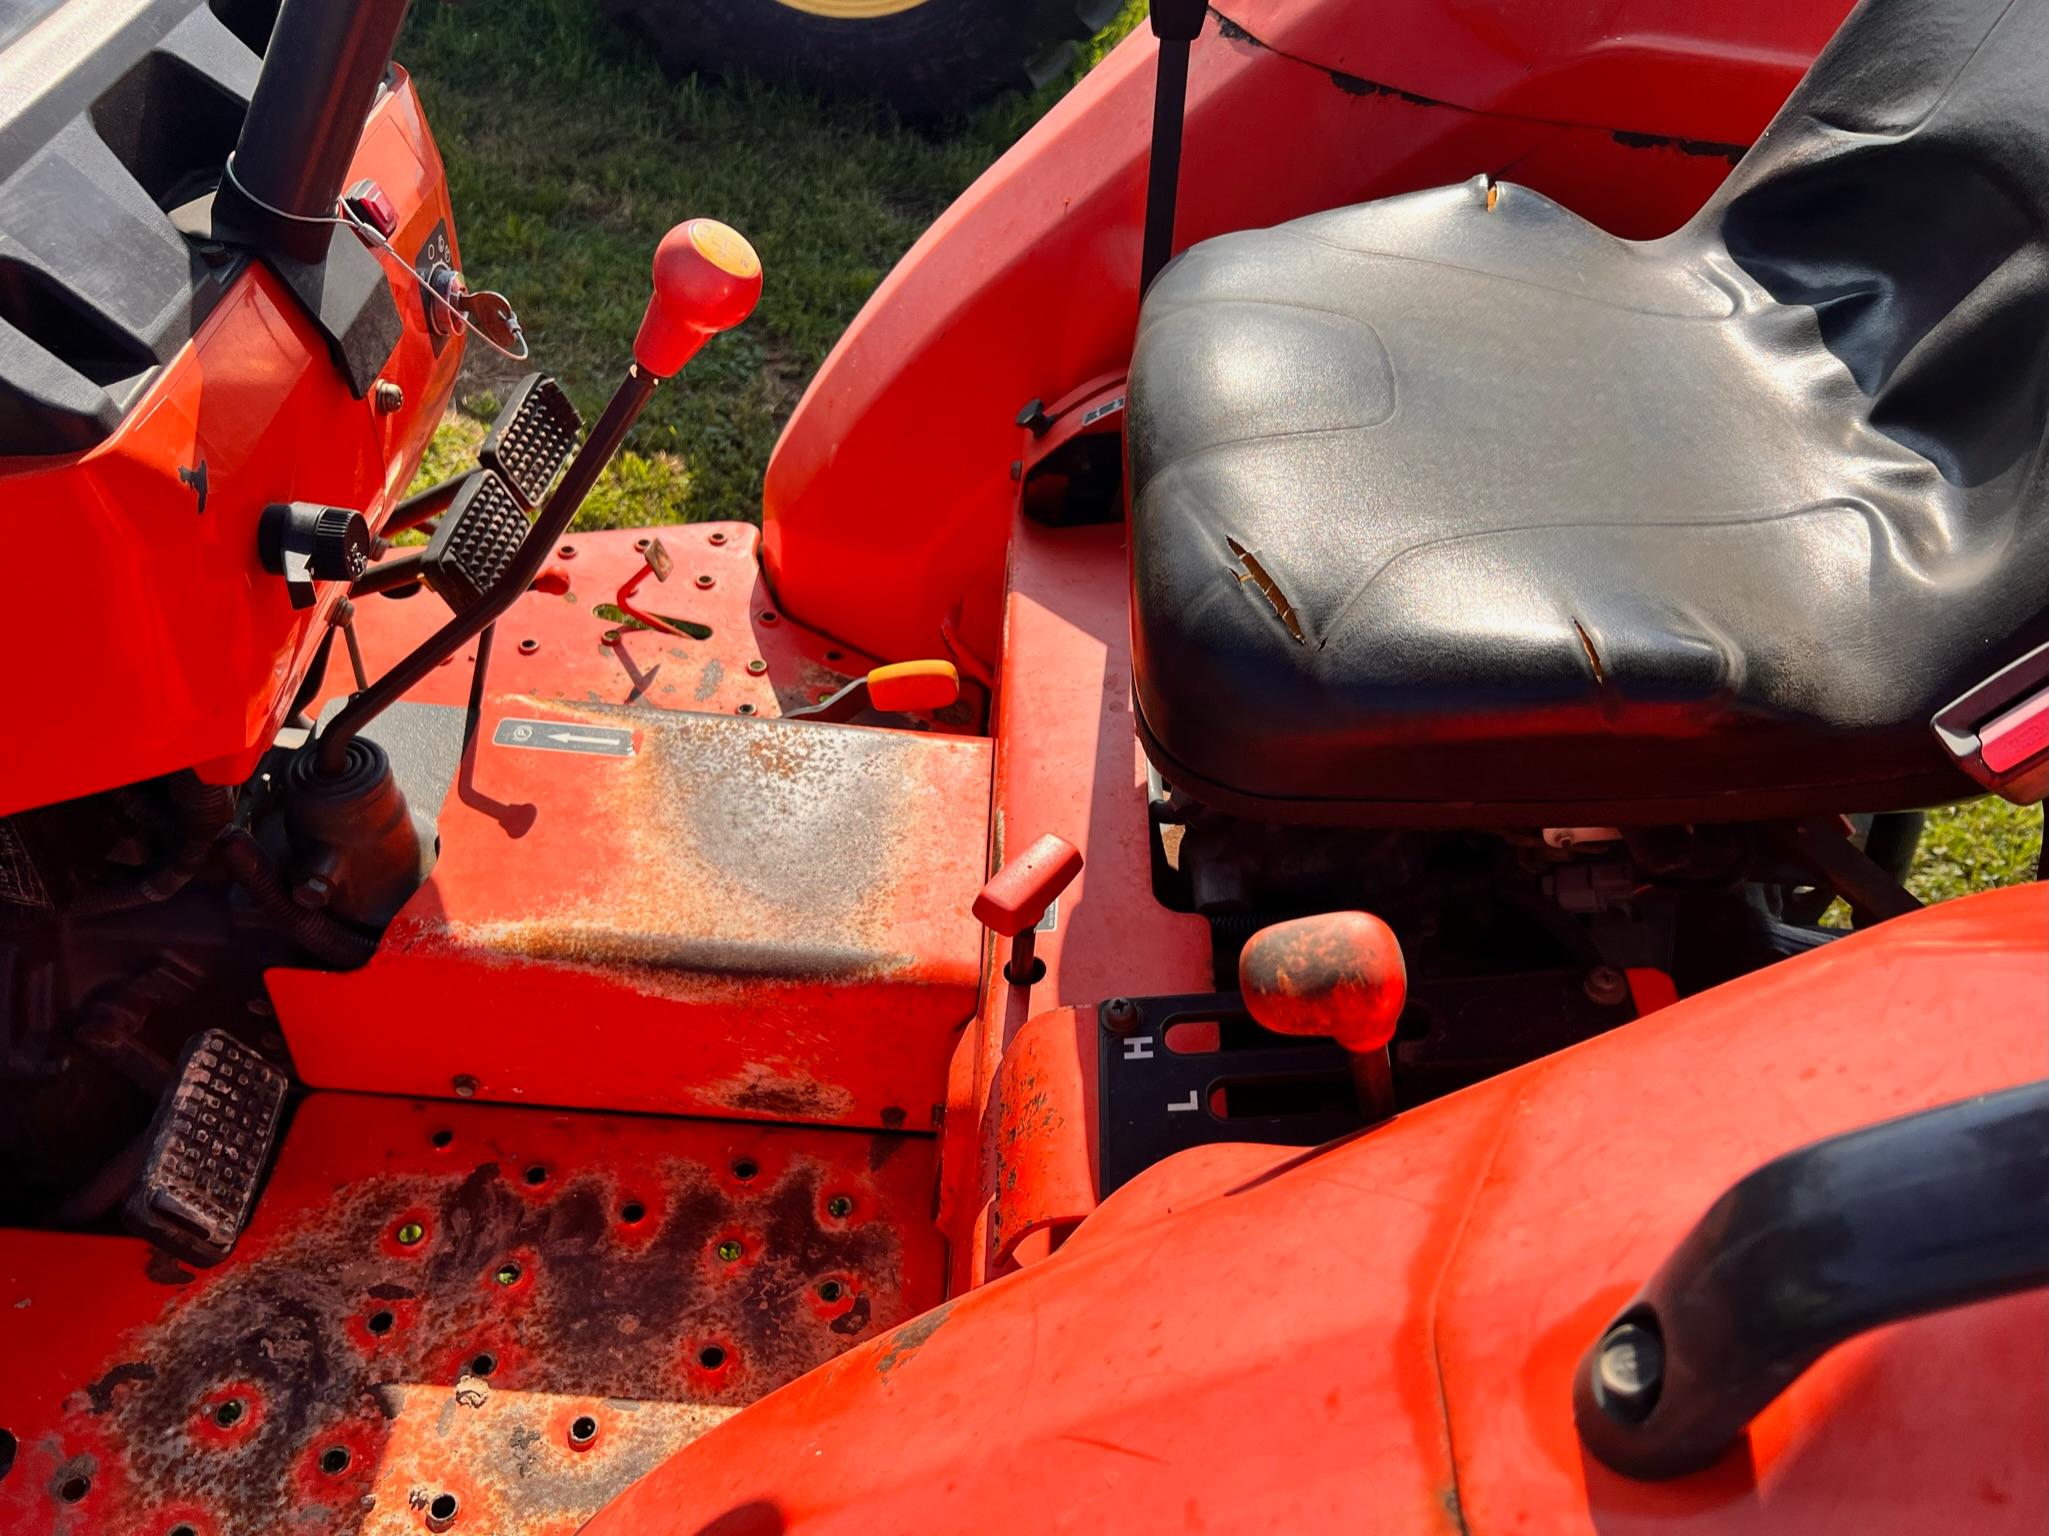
pixel 532 438
pixel 208 1148
pixel 475 541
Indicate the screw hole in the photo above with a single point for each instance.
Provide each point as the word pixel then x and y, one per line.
pixel 730 1251
pixel 718 538
pixel 567 551
pixel 380 1322
pixel 528 646
pixel 334 1460
pixel 442 1138
pixel 484 1364
pixel 769 616
pixel 583 1430
pixel 711 1357
pixel 537 1174
pixel 745 1168
pixel 832 656
pixel 181 1530
pixel 744 709
pixel 642 543
pixel 72 1489
pixel 507 1274
pixel 705 581
pixel 410 1233
pixel 831 1290
pixel 229 1414
pixel 441 1511
pixel 633 1213
pixel 839 1207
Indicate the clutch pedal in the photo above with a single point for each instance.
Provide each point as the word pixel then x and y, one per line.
pixel 532 438
pixel 208 1147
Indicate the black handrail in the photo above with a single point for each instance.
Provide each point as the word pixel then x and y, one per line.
pixel 1935 1210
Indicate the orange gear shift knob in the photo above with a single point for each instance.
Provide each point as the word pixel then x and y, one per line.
pixel 1339 974
pixel 707 280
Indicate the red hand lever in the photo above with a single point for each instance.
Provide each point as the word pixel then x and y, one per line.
pixel 1018 894
pixel 707 280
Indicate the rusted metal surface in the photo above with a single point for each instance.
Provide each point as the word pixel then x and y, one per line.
pixel 518 1311
pixel 1043 1122
pixel 740 916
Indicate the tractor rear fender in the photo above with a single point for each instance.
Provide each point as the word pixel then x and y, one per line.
pixel 1382 1334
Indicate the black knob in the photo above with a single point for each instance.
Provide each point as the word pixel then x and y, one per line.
pixel 305 542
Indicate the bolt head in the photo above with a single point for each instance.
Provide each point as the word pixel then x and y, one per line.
pixel 1607 985
pixel 387 396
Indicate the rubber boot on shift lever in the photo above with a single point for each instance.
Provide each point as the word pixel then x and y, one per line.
pixel 1176 23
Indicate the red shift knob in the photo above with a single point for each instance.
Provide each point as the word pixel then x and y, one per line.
pixel 707 280
pixel 1339 974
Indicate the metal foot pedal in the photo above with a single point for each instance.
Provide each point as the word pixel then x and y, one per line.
pixel 208 1148
pixel 532 438
pixel 475 541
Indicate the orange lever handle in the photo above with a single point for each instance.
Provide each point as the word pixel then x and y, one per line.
pixel 1339 974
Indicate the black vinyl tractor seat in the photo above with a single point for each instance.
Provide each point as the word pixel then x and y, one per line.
pixel 1454 509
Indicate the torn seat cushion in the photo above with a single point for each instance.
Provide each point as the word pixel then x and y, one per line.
pixel 1453 508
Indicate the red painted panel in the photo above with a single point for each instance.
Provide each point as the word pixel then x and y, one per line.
pixel 140 595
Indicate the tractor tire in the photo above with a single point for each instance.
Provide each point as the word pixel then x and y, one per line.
pixel 927 58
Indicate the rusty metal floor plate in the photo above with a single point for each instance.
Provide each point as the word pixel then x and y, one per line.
pixel 449 1317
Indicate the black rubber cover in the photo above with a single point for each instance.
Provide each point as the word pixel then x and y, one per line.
pixel 1573 526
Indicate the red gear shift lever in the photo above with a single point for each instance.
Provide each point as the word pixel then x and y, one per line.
pixel 1339 974
pixel 707 280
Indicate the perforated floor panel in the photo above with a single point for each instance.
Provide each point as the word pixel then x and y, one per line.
pixel 449 1317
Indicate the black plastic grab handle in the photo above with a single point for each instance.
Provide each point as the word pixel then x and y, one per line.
pixel 1931 1211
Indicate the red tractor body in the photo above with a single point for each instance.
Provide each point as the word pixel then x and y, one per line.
pixel 677 1071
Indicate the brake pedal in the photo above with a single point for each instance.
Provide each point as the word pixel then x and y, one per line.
pixel 532 438
pixel 475 541
pixel 208 1147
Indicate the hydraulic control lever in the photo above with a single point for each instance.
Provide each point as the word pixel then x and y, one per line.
pixel 707 279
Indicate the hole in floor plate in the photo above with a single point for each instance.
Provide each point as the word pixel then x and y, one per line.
pixel 745 1168
pixel 334 1460
pixel 379 1322
pixel 831 1290
pixel 711 1357
pixel 229 1414
pixel 633 1213
pixel 442 1507
pixel 839 1207
pixel 181 1530
pixel 583 1429
pixel 442 1138
pixel 537 1174
pixel 74 1488
pixel 484 1364
pixel 506 1274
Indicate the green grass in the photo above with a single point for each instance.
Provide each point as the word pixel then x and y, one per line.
pixel 569 154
